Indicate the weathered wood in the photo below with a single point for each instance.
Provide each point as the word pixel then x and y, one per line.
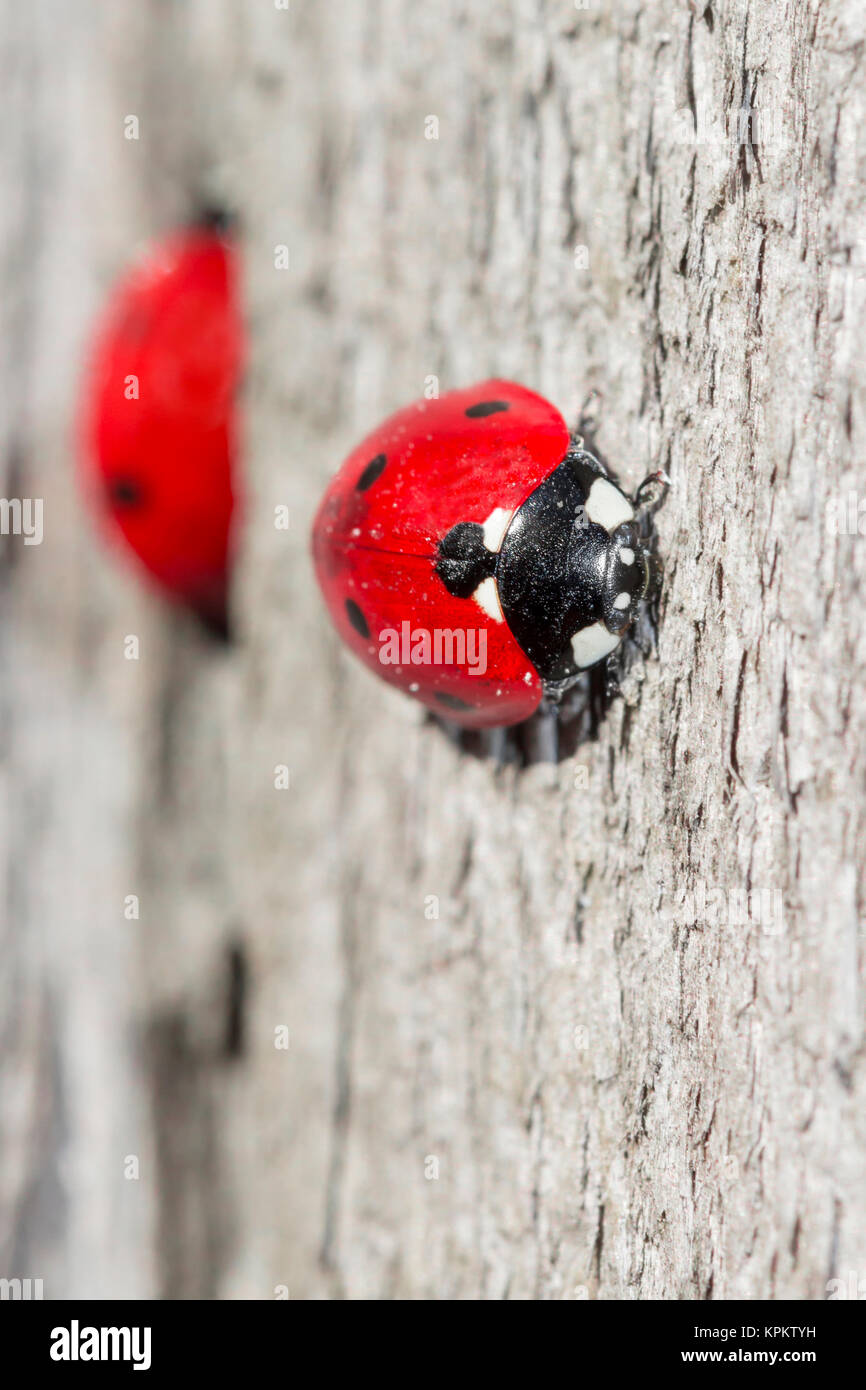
pixel 538 1047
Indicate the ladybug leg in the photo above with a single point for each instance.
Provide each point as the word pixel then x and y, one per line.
pixel 538 738
pixel 652 492
pixel 547 734
pixel 611 676
pixel 497 746
pixel 583 435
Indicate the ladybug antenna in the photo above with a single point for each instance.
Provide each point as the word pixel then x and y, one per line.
pixel 464 561
pixel 586 419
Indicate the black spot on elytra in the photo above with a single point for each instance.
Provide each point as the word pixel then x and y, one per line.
pixel 452 701
pixel 464 560
pixel 482 408
pixel 124 492
pixel 356 618
pixel 373 471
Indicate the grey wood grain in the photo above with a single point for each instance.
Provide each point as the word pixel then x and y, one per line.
pixel 595 1073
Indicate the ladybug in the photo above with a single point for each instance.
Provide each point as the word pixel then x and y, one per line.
pixel 474 554
pixel 158 429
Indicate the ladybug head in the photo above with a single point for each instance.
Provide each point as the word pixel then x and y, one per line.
pixel 570 572
pixel 626 577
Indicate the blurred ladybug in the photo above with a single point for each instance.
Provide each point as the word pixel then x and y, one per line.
pixel 475 555
pixel 158 418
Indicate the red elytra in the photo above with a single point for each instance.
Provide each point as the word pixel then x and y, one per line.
pixel 158 418
pixel 472 455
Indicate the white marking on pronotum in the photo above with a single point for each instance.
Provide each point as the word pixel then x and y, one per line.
pixel 495 527
pixel 626 555
pixel 487 598
pixel 607 506
pixel 592 643
pixel 621 601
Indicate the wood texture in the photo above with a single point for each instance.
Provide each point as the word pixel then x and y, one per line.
pixel 563 1022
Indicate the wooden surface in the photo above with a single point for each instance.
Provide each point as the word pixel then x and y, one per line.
pixel 537 1046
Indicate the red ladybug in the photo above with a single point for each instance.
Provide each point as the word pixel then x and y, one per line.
pixel 158 419
pixel 473 554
